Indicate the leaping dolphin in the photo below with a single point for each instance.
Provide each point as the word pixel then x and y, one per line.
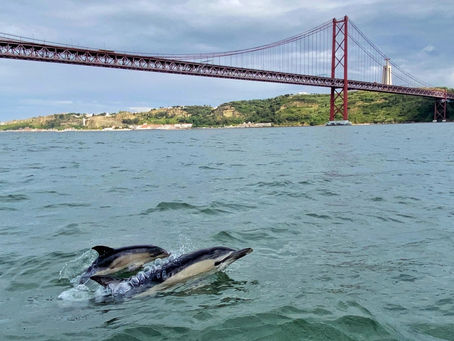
pixel 187 266
pixel 113 260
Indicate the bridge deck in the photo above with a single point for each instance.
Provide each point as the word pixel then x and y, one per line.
pixel 24 50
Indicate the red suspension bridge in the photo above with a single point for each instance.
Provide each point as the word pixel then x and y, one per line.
pixel 335 54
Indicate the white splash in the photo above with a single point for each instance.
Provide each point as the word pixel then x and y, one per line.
pixel 79 293
pixel 74 268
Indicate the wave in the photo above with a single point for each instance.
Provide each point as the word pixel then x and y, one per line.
pixel 69 230
pixel 7 209
pixel 232 237
pixel 282 183
pixel 66 204
pixel 286 323
pixel 209 168
pixel 13 197
pixel 214 208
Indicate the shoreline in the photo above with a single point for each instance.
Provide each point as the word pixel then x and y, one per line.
pixel 197 128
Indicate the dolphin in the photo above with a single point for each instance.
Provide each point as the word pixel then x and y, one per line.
pixel 113 260
pixel 176 271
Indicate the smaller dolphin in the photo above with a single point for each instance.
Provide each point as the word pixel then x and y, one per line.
pixel 176 271
pixel 113 260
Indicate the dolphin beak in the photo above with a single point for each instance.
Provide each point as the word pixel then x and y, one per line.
pixel 240 253
pixel 235 255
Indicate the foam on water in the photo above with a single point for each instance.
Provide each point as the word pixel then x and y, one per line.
pixel 79 293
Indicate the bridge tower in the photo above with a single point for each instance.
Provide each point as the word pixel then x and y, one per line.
pixel 387 77
pixel 440 108
pixel 339 61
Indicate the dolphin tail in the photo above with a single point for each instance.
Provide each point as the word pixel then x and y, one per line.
pixel 105 280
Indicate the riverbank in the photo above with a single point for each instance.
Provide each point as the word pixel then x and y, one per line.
pixel 241 126
pixel 286 110
pixel 145 127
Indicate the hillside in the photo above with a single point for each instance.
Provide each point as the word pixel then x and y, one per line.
pixel 300 109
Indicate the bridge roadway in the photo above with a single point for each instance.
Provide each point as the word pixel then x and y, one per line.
pixel 24 50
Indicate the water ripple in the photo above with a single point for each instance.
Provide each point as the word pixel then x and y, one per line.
pixel 66 204
pixel 13 197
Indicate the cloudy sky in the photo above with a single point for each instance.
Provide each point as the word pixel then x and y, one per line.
pixel 418 34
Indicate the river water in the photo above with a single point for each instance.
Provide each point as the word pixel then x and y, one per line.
pixel 352 230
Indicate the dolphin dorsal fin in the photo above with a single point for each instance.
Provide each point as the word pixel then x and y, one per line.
pixel 104 280
pixel 103 251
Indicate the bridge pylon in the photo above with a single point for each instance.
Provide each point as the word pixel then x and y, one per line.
pixel 339 61
pixel 440 108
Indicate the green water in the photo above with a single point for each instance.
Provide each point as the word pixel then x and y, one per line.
pixel 352 230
